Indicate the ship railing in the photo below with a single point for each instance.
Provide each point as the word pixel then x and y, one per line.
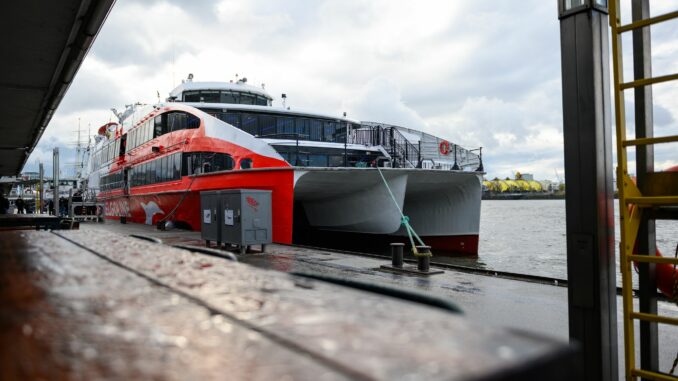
pixel 403 153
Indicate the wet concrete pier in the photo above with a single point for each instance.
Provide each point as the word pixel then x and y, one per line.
pixel 488 300
pixel 95 304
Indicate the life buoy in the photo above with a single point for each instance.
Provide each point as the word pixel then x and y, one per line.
pixel 444 147
pixel 667 274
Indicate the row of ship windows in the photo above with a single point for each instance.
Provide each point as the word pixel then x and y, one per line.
pixel 160 125
pixel 275 126
pixel 225 96
pixel 315 157
pixel 172 167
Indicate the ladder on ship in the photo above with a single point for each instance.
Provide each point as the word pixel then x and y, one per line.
pixel 655 197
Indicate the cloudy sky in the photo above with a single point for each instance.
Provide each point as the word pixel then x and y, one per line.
pixel 480 73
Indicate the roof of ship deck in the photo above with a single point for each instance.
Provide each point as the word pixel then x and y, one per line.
pixel 44 45
pixel 266 109
pixel 207 86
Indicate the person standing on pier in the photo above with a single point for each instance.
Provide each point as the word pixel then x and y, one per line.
pixel 19 203
pixel 4 204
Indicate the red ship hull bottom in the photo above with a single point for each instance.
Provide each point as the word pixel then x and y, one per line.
pixel 152 207
pixel 453 244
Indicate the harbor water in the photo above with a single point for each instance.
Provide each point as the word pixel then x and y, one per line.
pixel 528 237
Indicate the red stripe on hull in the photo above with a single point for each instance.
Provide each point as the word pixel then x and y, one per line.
pixel 453 244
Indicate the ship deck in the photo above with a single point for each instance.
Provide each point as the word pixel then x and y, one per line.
pixel 494 301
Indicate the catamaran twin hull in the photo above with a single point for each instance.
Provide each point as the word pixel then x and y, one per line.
pixel 443 206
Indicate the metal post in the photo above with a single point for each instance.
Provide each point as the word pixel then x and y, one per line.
pixel 397 254
pixel 346 147
pixel 647 280
pixel 592 300
pixel 55 180
pixel 41 190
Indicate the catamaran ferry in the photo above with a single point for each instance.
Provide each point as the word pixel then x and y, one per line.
pixel 151 166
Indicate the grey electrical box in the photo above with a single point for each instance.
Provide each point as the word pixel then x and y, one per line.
pixel 209 216
pixel 247 217
pixel 237 216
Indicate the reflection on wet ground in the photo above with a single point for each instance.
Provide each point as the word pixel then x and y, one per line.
pixel 489 300
pixel 92 304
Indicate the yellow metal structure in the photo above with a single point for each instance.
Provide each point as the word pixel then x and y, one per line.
pixel 631 200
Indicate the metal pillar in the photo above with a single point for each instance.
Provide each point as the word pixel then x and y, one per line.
pixel 41 190
pixel 592 300
pixel 55 180
pixel 642 68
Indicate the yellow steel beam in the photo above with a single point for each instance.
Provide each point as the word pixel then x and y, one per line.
pixel 645 141
pixel 652 259
pixel 648 81
pixel 648 21
pixel 654 318
pixel 652 201
pixel 622 176
pixel 647 375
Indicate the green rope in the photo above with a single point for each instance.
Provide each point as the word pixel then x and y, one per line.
pixel 404 220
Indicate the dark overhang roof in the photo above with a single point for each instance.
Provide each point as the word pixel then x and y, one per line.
pixel 43 45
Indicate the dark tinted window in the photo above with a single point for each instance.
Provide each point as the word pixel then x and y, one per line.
pixel 249 124
pixel 229 97
pixel 247 99
pixel 245 163
pixel 191 96
pixel 267 123
pixel 205 162
pixel 161 169
pixel 285 127
pixel 232 119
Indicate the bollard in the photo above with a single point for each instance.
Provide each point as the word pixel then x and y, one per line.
pixel 424 258
pixel 397 254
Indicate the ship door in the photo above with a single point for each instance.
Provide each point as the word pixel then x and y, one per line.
pixel 125 179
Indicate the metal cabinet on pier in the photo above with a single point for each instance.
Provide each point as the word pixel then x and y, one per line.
pixel 241 217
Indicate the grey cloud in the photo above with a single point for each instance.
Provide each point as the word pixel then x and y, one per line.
pixel 662 116
pixel 91 90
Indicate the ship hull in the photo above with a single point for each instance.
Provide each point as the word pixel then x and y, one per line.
pixel 443 207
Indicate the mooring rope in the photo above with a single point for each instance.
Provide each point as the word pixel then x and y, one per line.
pixel 404 220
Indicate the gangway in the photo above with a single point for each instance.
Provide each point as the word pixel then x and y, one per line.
pixel 656 197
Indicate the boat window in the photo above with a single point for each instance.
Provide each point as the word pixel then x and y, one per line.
pixel 336 161
pixel 111 181
pixel 210 96
pixel 229 97
pixel 158 125
pixel 267 123
pixel 246 99
pixel 285 127
pixel 162 169
pixel 249 124
pixel 245 163
pixel 317 160
pixel 316 131
pixel 191 96
pixel 261 101
pixel 232 119
pixel 302 128
pixel 204 162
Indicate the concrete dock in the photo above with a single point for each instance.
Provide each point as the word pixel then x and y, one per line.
pixel 96 304
pixel 488 300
